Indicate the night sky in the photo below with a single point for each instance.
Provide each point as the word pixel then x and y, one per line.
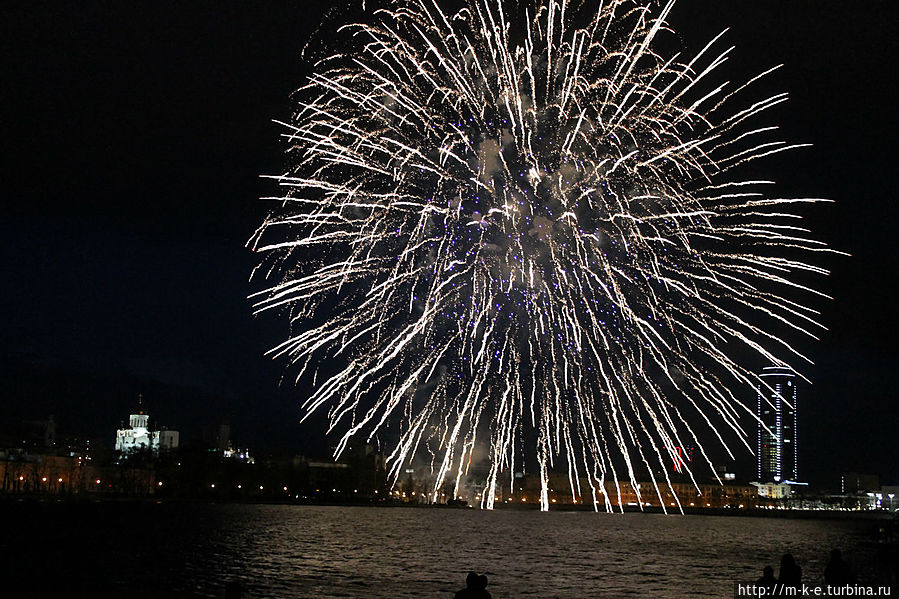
pixel 134 138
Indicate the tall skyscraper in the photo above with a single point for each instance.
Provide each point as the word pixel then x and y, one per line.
pixel 778 409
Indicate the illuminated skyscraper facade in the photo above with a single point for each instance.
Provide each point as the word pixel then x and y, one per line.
pixel 778 411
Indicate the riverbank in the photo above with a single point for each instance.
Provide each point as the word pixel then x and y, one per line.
pixel 803 514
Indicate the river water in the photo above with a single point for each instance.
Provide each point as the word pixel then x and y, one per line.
pixel 191 550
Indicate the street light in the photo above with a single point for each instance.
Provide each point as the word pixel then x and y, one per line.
pixel 891 495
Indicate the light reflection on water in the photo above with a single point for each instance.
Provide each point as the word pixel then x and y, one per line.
pixel 384 552
pixel 322 552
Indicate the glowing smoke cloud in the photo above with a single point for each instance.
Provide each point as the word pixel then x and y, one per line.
pixel 523 225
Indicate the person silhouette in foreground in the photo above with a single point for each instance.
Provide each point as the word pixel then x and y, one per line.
pixel 790 574
pixel 838 573
pixel 767 581
pixel 482 583
pixel 232 589
pixel 475 588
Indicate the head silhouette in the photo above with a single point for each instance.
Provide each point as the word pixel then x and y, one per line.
pixel 471 581
pixel 787 560
pixel 232 589
pixel 482 582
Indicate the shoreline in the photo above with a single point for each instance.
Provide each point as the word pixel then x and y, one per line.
pixel 797 514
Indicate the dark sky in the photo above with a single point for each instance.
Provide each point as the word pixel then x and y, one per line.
pixel 133 141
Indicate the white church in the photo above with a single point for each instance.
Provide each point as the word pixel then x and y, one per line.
pixel 139 436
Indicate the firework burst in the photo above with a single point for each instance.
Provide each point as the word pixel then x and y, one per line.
pixel 523 227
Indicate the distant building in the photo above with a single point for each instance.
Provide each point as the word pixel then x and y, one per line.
pixel 168 439
pixel 139 436
pixel 218 434
pixel 773 490
pixel 778 412
pixel 241 455
pixel 29 434
pixel 856 482
pixel 722 473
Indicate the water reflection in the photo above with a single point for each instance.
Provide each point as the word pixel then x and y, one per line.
pixel 192 550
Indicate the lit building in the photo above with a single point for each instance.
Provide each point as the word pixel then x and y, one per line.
pixel 778 412
pixel 242 455
pixel 773 490
pixel 139 436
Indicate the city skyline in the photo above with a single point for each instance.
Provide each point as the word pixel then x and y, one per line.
pixel 139 150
